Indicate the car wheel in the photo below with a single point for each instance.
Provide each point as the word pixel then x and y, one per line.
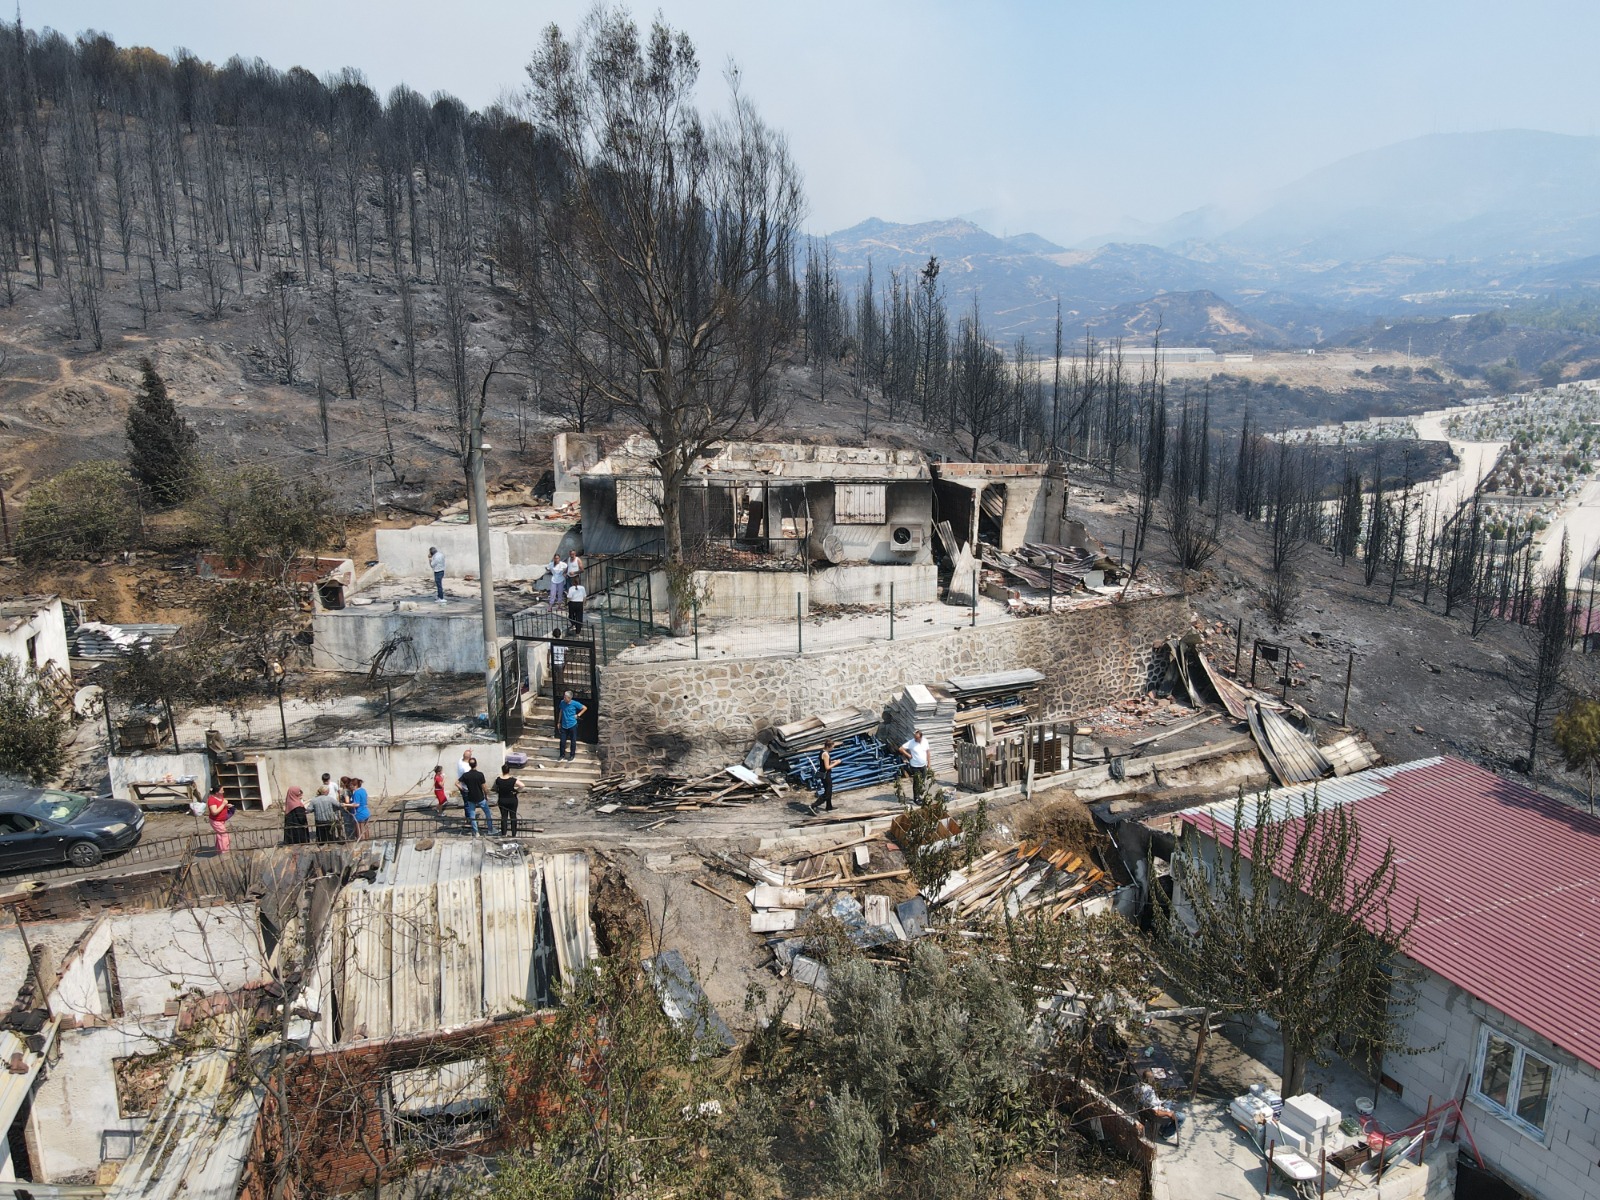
pixel 83 854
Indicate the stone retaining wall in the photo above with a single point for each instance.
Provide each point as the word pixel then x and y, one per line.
pixel 701 715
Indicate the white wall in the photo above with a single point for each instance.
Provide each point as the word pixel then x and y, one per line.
pixel 443 640
pixel 49 625
pixel 76 1104
pixel 868 583
pixel 162 954
pixel 518 551
pixel 127 769
pixel 1446 1025
pixel 391 773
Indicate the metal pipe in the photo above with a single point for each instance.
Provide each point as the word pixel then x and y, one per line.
pixel 891 612
pixel 799 623
pixel 480 507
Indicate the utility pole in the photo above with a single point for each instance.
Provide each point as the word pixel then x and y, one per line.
pixel 480 509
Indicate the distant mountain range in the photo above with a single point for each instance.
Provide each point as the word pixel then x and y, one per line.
pixel 1428 227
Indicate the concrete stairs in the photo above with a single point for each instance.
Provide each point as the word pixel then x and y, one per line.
pixel 544 769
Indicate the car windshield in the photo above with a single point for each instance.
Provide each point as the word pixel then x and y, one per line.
pixel 59 807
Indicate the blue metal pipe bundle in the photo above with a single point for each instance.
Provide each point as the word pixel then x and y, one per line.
pixel 860 762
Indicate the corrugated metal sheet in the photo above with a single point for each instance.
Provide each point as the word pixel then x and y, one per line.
pixel 860 504
pixel 1506 881
pixel 198 1137
pixel 448 936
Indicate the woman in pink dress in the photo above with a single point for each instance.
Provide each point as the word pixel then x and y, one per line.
pixel 218 810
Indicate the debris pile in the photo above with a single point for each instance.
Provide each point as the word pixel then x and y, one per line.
pixel 1029 877
pixel 98 640
pixel 732 787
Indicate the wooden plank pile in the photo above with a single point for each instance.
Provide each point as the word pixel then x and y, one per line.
pixel 930 709
pixel 787 890
pixel 732 787
pixel 1058 569
pixel 808 733
pixel 1029 877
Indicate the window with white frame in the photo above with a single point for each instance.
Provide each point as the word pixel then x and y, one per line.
pixel 1512 1080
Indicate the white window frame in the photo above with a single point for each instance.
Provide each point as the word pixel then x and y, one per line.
pixel 1507 1112
pixel 860 503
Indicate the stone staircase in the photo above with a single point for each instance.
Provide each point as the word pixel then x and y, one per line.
pixel 544 770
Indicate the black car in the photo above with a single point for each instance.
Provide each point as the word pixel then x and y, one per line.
pixel 43 827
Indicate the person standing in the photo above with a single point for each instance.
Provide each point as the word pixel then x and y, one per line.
pixel 505 793
pixel 915 752
pixel 576 595
pixel 556 576
pixel 462 767
pixel 439 798
pixel 574 567
pixel 325 808
pixel 473 784
pixel 295 832
pixel 360 813
pixel 826 762
pixel 218 813
pixel 567 725
pixel 436 565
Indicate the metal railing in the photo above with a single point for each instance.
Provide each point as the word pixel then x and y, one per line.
pixel 451 821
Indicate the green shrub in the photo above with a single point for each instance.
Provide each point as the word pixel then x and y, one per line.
pixel 87 511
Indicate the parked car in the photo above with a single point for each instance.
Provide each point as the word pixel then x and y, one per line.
pixel 45 826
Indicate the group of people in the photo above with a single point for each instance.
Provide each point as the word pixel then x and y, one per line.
pixel 914 750
pixel 565 578
pixel 474 788
pixel 338 812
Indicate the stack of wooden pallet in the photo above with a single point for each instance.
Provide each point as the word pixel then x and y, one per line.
pixel 930 709
pixel 990 707
pixel 1027 877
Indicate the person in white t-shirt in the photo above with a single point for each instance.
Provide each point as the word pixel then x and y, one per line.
pixel 436 565
pixel 462 768
pixel 915 752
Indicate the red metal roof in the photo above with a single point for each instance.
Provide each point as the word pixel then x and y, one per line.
pixel 1506 880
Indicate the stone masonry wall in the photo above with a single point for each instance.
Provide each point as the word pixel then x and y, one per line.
pixel 702 715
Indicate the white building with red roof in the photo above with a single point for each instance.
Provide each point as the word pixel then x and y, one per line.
pixel 1506 882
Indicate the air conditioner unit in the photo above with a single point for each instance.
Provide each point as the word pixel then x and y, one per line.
pixel 906 540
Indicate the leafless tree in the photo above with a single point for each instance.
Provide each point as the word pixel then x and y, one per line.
pixel 283 312
pixel 675 228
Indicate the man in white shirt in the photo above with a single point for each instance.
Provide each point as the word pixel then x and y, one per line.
pixel 915 752
pixel 436 565
pixel 576 595
pixel 462 768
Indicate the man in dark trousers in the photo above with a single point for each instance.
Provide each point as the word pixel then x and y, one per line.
pixel 567 714
pixel 825 801
pixel 505 794
pixel 473 786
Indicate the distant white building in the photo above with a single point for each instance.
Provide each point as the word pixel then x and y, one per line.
pixel 1171 354
pixel 33 630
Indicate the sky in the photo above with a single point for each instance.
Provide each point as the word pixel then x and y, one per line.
pixel 1069 118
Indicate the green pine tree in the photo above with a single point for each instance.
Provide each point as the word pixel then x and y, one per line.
pixel 161 446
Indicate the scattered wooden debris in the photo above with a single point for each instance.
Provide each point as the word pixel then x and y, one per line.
pixel 731 787
pixel 1027 877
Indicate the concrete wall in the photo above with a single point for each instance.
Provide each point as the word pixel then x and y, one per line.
pixel 1446 1025
pixel 704 714
pixel 751 595
pixel 868 583
pixel 152 768
pixel 518 552
pixel 444 640
pixel 908 503
pixel 76 1104
pixel 50 627
pixel 391 772
pixel 770 595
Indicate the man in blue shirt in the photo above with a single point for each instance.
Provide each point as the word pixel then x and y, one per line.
pixel 567 726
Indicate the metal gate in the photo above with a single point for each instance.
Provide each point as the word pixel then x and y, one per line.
pixel 575 667
pixel 508 718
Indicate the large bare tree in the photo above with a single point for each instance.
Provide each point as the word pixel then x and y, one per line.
pixel 677 230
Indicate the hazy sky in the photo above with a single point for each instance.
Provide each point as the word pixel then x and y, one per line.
pixel 1066 117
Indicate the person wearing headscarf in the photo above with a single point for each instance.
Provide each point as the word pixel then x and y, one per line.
pixel 296 831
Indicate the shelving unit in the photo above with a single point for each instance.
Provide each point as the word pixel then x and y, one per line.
pixel 241 783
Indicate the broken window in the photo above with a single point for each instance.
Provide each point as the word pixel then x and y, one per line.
pixel 1512 1081
pixel 639 501
pixel 441 1105
pixel 108 985
pixel 859 504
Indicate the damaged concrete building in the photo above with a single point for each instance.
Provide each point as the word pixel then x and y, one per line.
pixel 141 1041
